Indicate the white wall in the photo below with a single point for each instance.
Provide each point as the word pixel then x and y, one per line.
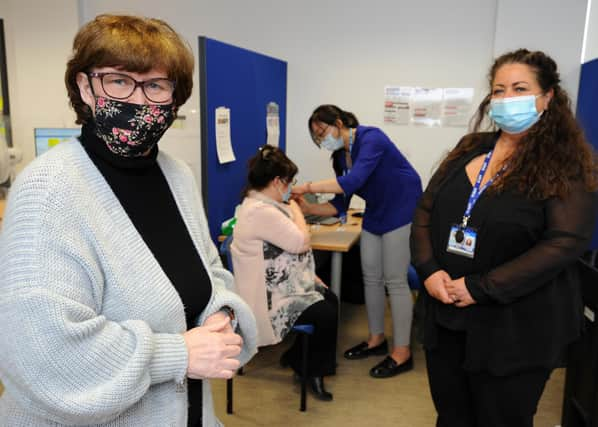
pixel 553 26
pixel 38 37
pixel 591 51
pixel 337 52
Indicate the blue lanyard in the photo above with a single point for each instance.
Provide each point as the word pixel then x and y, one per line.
pixel 476 191
pixel 348 158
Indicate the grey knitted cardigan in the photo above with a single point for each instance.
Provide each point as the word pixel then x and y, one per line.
pixel 91 327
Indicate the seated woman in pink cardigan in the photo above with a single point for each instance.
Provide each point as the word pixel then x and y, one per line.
pixel 275 271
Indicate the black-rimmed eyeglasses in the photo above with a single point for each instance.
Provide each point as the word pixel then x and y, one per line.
pixel 122 86
pixel 318 137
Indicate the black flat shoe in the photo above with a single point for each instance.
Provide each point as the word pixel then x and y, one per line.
pixel 284 360
pixel 317 387
pixel 389 368
pixel 361 351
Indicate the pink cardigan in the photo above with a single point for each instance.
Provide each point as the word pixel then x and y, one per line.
pixel 260 219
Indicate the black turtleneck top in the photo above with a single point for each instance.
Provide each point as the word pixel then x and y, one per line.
pixel 143 192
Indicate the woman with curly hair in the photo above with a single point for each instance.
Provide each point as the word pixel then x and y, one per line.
pixel 495 238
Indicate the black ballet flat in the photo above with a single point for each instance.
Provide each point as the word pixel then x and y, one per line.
pixel 361 351
pixel 389 368
pixel 284 360
pixel 317 387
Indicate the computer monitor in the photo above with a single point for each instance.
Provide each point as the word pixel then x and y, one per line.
pixel 46 138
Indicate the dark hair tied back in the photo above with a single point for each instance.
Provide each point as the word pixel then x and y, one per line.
pixel 269 162
pixel 329 114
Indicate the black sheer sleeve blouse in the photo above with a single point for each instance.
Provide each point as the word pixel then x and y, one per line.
pixel 522 276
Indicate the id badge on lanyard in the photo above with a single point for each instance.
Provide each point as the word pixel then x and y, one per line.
pixel 462 238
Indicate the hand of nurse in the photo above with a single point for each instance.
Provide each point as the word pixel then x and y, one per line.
pixel 212 350
pixel 458 293
pixel 435 285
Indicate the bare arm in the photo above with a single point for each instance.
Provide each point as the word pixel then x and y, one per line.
pixel 322 209
pixel 324 186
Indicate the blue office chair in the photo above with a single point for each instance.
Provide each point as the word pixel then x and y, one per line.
pixel 225 254
pixel 305 331
pixel 413 279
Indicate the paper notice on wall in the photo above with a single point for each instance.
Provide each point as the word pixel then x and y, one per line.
pixel 426 106
pixel 456 109
pixel 396 104
pixel 272 124
pixel 224 147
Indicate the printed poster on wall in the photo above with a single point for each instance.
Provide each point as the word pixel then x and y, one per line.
pixel 224 147
pixel 456 109
pixel 426 106
pixel 272 124
pixel 396 104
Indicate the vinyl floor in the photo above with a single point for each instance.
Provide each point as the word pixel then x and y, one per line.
pixel 267 396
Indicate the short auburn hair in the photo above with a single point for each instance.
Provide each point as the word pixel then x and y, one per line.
pixel 130 43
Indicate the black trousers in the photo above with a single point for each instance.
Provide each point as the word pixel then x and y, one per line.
pixel 464 399
pixel 322 344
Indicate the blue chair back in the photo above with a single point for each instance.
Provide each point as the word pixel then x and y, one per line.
pixel 225 252
pixel 413 279
pixel 302 329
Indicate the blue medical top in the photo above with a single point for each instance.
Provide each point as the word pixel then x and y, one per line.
pixel 383 177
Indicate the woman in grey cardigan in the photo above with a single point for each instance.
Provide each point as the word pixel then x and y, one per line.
pixel 107 264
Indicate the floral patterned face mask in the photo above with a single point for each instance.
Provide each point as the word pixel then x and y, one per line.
pixel 131 130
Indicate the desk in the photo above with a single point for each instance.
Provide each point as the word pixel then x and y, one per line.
pixel 337 239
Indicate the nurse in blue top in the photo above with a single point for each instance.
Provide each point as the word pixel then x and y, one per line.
pixel 368 163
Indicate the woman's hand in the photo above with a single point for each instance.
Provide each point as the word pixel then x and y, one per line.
pixel 458 293
pixel 294 207
pixel 212 349
pixel 217 318
pixel 435 285
pixel 303 204
pixel 320 282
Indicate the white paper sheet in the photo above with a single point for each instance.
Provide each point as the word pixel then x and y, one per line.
pixel 272 124
pixel 224 147
pixel 396 104
pixel 425 106
pixel 456 109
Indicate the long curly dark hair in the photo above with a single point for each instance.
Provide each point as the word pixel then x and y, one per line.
pixel 554 151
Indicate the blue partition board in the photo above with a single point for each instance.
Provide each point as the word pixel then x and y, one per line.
pixel 245 82
pixel 587 112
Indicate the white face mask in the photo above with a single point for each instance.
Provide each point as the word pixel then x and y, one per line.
pixel 332 144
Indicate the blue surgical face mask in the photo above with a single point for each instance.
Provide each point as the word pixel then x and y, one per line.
pixel 286 196
pixel 515 114
pixel 331 143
